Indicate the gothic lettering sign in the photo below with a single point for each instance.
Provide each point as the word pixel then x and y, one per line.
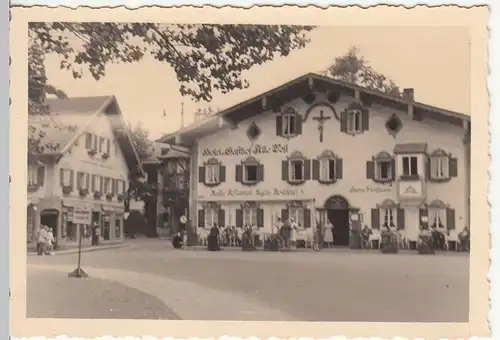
pixel 368 189
pixel 81 214
pixel 257 149
pixel 274 193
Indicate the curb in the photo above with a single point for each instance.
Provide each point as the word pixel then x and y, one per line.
pixel 84 250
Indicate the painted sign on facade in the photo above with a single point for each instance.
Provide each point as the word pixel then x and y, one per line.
pixel 257 149
pixel 254 194
pixel 368 189
pixel 413 189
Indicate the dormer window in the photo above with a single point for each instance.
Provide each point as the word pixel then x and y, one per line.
pixel 355 119
pixel 212 173
pixel 296 169
pixel 288 123
pixel 441 166
pixel 327 168
pixel 250 172
pixel 410 160
pixel 410 166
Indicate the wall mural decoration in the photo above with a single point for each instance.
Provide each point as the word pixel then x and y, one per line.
pixel 253 132
pixel 393 125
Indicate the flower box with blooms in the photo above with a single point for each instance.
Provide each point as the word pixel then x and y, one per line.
pixel 32 187
pixel 83 192
pixel 92 152
pixel 67 189
pixel 120 197
pixel 97 194
pixel 109 196
pixel 105 155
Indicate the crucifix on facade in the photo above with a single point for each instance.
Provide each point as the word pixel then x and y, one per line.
pixel 321 119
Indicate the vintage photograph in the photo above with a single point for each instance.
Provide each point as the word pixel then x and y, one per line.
pixel 248 172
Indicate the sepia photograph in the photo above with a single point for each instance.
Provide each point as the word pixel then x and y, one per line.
pixel 249 172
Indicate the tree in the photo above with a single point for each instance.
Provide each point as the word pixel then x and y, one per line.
pixel 140 138
pixel 204 57
pixel 205 112
pixel 353 68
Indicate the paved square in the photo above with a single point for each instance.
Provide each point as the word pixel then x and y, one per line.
pixel 337 285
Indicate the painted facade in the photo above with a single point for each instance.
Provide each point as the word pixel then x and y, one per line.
pixel 82 186
pixel 350 156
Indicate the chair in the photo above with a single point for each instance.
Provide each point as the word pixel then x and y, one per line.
pixel 402 242
pixel 375 236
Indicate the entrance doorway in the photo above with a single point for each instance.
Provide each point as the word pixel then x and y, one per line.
pixel 50 218
pixel 337 211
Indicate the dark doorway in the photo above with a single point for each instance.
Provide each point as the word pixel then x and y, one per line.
pixel 337 211
pixel 50 219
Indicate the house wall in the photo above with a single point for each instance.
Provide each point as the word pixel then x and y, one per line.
pixel 107 212
pixel 355 150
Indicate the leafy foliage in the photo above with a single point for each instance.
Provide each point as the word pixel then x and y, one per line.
pixel 204 57
pixel 353 68
pixel 140 138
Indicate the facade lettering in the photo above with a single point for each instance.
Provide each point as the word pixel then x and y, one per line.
pixel 368 189
pixel 246 151
pixel 261 193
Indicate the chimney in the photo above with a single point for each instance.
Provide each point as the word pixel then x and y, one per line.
pixel 408 94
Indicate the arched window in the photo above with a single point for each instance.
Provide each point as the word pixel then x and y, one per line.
pixel 288 123
pixel 437 211
pixel 250 171
pixel 296 169
pixel 212 172
pixel 327 168
pixel 388 210
pixel 354 119
pixel 383 167
pixel 210 214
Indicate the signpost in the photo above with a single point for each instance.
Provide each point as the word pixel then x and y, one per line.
pixel 81 215
pixel 79 272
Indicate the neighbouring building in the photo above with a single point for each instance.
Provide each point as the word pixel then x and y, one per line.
pixel 82 176
pixel 168 169
pixel 315 148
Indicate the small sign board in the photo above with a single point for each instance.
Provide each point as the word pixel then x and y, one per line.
pixel 81 215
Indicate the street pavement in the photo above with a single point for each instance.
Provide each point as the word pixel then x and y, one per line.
pixel 149 279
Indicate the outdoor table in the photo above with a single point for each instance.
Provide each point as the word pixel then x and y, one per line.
pixel 389 243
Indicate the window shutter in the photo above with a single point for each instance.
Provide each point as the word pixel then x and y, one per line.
pixel 375 218
pixel 284 215
pixel 108 146
pixel 222 173
pixel 279 125
pixel 238 174
pixel 94 179
pixel 260 173
pixel 423 213
pixel 450 219
pixel 124 186
pixel 365 119
pixel 87 181
pixel 298 122
pixel 428 172
pixel 338 168
pixel 88 141
pixel 307 169
pixel 96 142
pixel 307 218
pixel 221 220
pixel 201 218
pixel 393 169
pixel 284 170
pixel 113 186
pixel 370 169
pixel 453 167
pixel 79 176
pixel 72 179
pixel 61 177
pixel 260 218
pixel 239 218
pixel 101 184
pixel 343 121
pixel 201 174
pixel 401 218
pixel 40 175
pixel 315 169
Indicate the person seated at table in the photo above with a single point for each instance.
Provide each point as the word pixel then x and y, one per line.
pixel 178 241
pixel 425 241
pixel 365 237
pixel 213 238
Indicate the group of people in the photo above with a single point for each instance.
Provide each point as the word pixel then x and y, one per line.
pixel 45 241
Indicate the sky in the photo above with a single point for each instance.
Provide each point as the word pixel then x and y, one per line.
pixel 434 61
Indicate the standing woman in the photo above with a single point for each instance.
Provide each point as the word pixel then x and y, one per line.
pixel 329 233
pixel 293 233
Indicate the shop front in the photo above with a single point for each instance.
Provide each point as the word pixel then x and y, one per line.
pixel 112 223
pixel 76 220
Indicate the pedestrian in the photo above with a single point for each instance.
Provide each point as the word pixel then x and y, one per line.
pixel 328 233
pixel 213 238
pixel 50 241
pixel 293 233
pixel 40 240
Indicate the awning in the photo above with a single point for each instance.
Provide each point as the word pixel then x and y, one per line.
pixel 410 148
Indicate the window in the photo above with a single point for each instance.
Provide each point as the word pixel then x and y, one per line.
pixel 107 185
pixel 439 167
pixel 212 173
pixel 211 216
pixel 88 141
pixel 250 216
pixel 437 218
pixel 383 170
pixel 297 213
pixel 82 180
pixel 32 175
pixel 95 184
pixel 327 169
pixel 410 166
pixel 66 180
pixel 354 121
pixel 250 173
pixel 101 144
pixel 297 170
pixel 289 124
pixel 389 217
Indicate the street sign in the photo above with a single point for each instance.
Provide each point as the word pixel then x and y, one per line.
pixel 183 219
pixel 81 215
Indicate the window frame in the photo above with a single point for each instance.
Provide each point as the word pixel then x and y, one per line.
pixel 410 174
pixel 436 161
pixel 287 120
pixel 292 163
pixel 249 212
pixel 383 157
pixel 32 175
pixel 354 115
pixel 67 178
pixel 327 156
pixel 215 166
pixel 213 209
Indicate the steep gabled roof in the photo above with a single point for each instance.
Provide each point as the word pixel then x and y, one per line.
pixel 70 118
pixel 302 86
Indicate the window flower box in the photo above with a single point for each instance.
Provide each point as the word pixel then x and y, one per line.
pixel 120 198
pixel 97 195
pixel 32 187
pixel 109 197
pixel 92 152
pixel 105 155
pixel 83 192
pixel 66 189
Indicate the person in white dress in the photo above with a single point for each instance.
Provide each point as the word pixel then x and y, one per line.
pixel 293 232
pixel 329 234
